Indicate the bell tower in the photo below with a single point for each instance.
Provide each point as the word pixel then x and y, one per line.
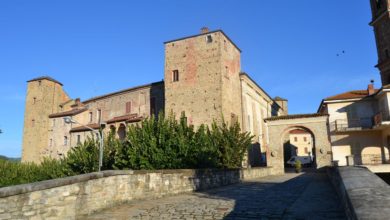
pixel 381 24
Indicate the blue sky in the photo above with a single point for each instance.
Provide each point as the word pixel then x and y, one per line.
pixel 95 47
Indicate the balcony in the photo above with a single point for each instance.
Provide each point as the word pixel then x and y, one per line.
pixel 345 125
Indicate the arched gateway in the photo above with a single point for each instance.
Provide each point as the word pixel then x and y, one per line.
pixel 280 127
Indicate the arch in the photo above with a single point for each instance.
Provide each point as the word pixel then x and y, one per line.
pixel 374 155
pixel 294 145
pixel 122 131
pixel 279 127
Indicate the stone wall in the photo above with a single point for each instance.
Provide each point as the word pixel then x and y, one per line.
pixel 69 197
pixel 363 194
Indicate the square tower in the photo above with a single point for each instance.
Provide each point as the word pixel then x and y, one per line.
pixel 381 23
pixel 202 78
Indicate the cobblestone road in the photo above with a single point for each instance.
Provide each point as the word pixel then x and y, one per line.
pixel 290 196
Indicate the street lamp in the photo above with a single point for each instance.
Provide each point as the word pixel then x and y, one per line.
pixel 69 120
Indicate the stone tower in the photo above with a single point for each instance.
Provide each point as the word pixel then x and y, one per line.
pixel 381 23
pixel 44 96
pixel 202 78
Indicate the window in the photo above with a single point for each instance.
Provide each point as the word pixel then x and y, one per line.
pixel 306 151
pixel 128 107
pixel 33 123
pixel 378 4
pixel 249 123
pixel 175 75
pixel 65 140
pixel 99 115
pixel 304 139
pixel 153 106
pixel 78 139
pixel 34 100
pixel 295 139
pixel 90 117
pixel 39 82
pixel 209 39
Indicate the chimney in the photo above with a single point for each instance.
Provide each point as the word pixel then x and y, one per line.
pixel 370 88
pixel 204 30
pixel 77 101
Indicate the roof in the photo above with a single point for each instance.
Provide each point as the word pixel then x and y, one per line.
pixel 210 32
pixel 354 94
pixel 45 77
pixel 67 113
pixel 84 128
pixel 122 91
pixel 287 117
pixel 122 118
pixel 298 131
pixel 278 98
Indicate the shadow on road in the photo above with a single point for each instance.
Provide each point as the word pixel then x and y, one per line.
pixel 307 195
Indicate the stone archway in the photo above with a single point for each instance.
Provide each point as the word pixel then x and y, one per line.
pixel 298 141
pixel 279 126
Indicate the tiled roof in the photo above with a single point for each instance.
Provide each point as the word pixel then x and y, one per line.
pixel 67 113
pixel 45 77
pixel 350 95
pixel 137 119
pixel 122 91
pixel 84 128
pixel 286 117
pixel 298 131
pixel 122 118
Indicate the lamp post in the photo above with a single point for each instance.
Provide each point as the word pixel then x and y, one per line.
pixel 69 120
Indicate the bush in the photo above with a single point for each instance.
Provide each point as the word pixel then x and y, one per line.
pixel 155 143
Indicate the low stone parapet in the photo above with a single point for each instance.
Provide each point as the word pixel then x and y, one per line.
pixel 364 195
pixel 66 198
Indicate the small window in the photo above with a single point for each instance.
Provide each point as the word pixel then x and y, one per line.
pixel 304 139
pixel 378 4
pixel 65 140
pixel 128 107
pixel 78 139
pixel 306 151
pixel 34 100
pixel 153 106
pixel 295 139
pixel 175 75
pixel 209 39
pixel 39 82
pixel 90 117
pixel 99 115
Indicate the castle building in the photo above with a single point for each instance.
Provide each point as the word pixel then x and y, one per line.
pixel 202 77
pixel 360 119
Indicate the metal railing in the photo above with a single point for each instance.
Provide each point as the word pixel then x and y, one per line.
pixel 351 124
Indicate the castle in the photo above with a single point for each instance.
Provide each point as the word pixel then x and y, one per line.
pixel 202 78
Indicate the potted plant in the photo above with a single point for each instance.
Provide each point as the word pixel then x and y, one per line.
pixel 298 166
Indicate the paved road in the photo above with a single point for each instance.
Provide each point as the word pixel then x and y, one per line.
pixel 290 196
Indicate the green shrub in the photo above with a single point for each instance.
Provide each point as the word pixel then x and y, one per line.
pixel 155 143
